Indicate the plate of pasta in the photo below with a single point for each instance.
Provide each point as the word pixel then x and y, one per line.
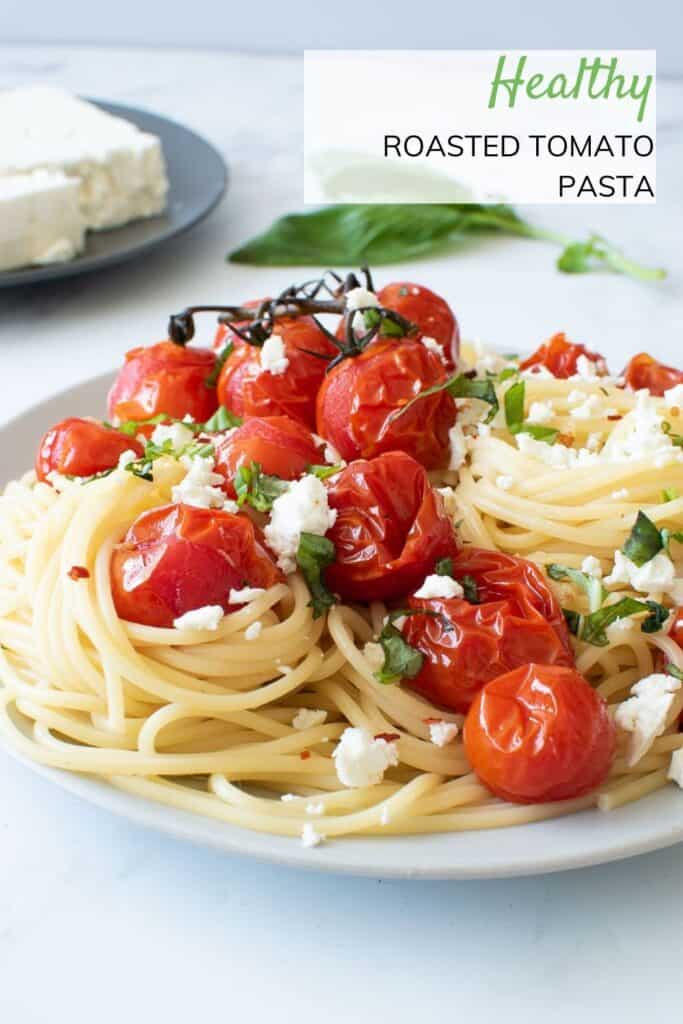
pixel 343 590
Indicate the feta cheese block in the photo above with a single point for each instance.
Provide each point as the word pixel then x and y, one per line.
pixel 120 170
pixel 40 219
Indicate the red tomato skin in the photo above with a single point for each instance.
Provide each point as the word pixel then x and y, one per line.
pixel 176 558
pixel 518 620
pixel 358 397
pixel 281 446
pixel 645 372
pixel 391 528
pixel 79 447
pixel 560 356
pixel 247 390
pixel 164 378
pixel 432 314
pixel 538 734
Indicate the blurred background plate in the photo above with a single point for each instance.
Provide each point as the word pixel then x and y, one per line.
pixel 197 177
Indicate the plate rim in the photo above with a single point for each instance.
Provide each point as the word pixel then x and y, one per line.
pixel 341 856
pixel 84 264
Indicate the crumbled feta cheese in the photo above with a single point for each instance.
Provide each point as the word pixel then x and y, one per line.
pixel 586 369
pixel 315 807
pixel 540 412
pixel 439 586
pixel 306 718
pixel 558 456
pixel 538 371
pixel 592 567
pixel 272 357
pixel 675 772
pixel 200 486
pixel 207 617
pixel 673 397
pixel 432 345
pixel 245 595
pixel 361 298
pixel 178 434
pixel 589 409
pixel 486 361
pixel 331 455
pixel 361 760
pixel 504 482
pixel 303 508
pixel 441 733
pixel 458 443
pixel 644 714
pixel 374 654
pixel 656 577
pixel 593 442
pixel 450 500
pixel 640 436
pixel 125 458
pixel 253 632
pixel 309 836
pixel 61 482
pixel 484 429
pixel 620 495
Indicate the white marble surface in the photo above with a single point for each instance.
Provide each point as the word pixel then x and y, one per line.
pixel 103 921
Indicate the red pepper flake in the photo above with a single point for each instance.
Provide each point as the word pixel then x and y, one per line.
pixel 566 439
pixel 432 721
pixel 388 737
pixel 78 572
pixel 304 755
pixel 614 418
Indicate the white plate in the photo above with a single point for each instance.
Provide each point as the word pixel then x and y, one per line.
pixel 575 841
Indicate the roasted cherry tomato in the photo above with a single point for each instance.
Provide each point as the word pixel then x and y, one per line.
pixel 360 395
pixel 77 447
pixel 561 357
pixel 282 447
pixel 390 530
pixel 432 314
pixel 164 378
pixel 516 620
pixel 538 734
pixel 178 557
pixel 247 389
pixel 645 372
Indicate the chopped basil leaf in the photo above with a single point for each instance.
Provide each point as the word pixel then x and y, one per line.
pixel 313 556
pixel 593 629
pixel 656 619
pixel 470 589
pixel 670 494
pixel 401 661
pixel 573 620
pixel 221 359
pixel 459 386
pixel 672 670
pixel 222 419
pixel 257 488
pixel 131 427
pixel 507 373
pixel 592 587
pixel 323 472
pixel 676 439
pixel 644 541
pixel 514 407
pixel 539 433
pixel 444 567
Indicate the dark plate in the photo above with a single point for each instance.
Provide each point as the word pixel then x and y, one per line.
pixel 197 177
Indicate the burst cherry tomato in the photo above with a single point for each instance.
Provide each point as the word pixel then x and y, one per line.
pixel 77 447
pixel 429 311
pixel 247 389
pixel 538 734
pixel 517 620
pixel 164 378
pixel 177 558
pixel 645 372
pixel 560 356
pixel 391 528
pixel 282 447
pixel 359 396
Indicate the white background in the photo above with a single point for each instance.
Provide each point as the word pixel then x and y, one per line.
pixel 105 923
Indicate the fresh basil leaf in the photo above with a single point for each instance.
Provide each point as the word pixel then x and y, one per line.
pixel 582 257
pixel 444 567
pixel 514 406
pixel 539 433
pixel 221 359
pixel 573 620
pixel 459 386
pixel 470 589
pixel 669 535
pixel 323 472
pixel 591 586
pixel 401 661
pixel 656 619
pixel 313 556
pixel 644 541
pixel 593 629
pixel 507 374
pixel 132 427
pixel 221 420
pixel 672 670
pixel 256 488
pixel 670 494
